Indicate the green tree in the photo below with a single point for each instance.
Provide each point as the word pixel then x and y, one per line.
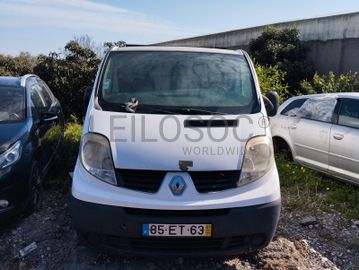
pixel 331 84
pixel 282 47
pixel 67 75
pixel 271 78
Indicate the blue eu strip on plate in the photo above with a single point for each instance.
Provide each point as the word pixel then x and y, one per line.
pixel 145 229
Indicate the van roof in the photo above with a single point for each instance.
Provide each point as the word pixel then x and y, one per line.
pixel 177 49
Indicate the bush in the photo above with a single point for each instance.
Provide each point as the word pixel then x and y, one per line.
pixel 331 84
pixel 71 144
pixel 66 157
pixel 271 78
pixel 68 74
pixel 295 73
pixel 282 47
pixel 277 45
pixel 18 65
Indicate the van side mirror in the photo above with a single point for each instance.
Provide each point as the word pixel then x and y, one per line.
pixel 87 96
pixel 271 102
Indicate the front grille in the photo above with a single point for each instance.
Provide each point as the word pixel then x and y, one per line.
pixel 215 180
pixel 176 213
pixel 150 181
pixel 141 180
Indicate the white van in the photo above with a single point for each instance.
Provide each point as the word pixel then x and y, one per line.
pixel 176 156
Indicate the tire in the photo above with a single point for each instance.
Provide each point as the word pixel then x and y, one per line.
pixel 282 148
pixel 35 190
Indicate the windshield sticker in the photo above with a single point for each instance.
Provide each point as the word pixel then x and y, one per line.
pixel 106 84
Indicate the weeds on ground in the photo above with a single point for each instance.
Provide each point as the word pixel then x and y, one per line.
pixel 305 189
pixel 65 159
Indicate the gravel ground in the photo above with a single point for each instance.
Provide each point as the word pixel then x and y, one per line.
pixel 325 241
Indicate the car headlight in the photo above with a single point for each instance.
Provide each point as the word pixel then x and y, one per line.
pixel 258 159
pixel 10 156
pixel 96 157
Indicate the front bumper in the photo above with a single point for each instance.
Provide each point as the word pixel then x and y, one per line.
pixel 235 230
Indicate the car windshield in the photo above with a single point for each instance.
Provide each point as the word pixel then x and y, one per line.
pixel 181 82
pixel 12 104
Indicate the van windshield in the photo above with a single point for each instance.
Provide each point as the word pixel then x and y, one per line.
pixel 171 81
pixel 12 104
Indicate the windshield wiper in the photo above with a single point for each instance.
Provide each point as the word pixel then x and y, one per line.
pixel 133 104
pixel 180 111
pixel 164 111
pixel 177 110
pixel 198 111
pixel 157 110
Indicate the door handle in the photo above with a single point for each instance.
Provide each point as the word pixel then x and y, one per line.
pixel 50 119
pixel 338 136
pixel 292 127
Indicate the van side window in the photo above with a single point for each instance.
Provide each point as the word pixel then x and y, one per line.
pixel 319 109
pixel 295 104
pixel 349 113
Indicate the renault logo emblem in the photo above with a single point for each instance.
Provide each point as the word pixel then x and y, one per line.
pixel 177 185
pixel 184 164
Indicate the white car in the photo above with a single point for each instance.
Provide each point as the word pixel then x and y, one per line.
pixel 174 157
pixel 321 132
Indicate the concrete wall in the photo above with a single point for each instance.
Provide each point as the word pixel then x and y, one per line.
pixel 333 41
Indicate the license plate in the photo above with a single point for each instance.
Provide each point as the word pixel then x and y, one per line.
pixel 177 230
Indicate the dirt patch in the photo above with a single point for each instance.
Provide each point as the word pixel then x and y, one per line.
pixel 285 254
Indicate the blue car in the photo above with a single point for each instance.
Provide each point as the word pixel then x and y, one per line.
pixel 31 129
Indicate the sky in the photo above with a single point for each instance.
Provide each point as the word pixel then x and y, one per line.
pixel 41 26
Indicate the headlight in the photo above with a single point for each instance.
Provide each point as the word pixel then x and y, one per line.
pixel 10 156
pixel 96 157
pixel 258 159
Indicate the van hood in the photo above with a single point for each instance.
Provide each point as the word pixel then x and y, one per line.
pixel 160 142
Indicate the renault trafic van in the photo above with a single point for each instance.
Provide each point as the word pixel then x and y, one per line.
pixel 176 155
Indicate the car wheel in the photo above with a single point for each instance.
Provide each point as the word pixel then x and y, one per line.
pixel 282 148
pixel 35 190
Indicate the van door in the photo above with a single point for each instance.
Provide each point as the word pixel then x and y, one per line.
pixel 310 132
pixel 344 142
